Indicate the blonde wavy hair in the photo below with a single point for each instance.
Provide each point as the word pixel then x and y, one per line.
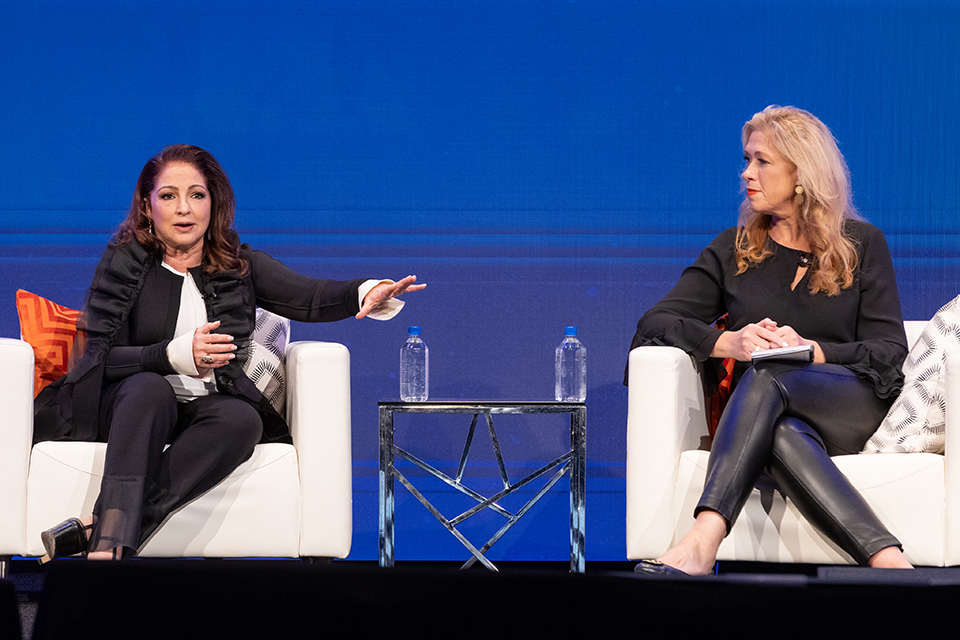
pixel 807 143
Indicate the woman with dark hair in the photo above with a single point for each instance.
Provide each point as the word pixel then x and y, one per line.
pixel 165 328
pixel 800 269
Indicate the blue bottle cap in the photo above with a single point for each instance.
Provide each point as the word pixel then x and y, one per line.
pixel 569 331
pixel 415 330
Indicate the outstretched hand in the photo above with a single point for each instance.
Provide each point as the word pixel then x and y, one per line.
pixel 385 291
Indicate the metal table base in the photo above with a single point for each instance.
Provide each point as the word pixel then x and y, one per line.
pixel 573 461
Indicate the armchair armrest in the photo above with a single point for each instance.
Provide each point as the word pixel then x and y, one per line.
pixel 665 416
pixel 951 461
pixel 16 438
pixel 318 412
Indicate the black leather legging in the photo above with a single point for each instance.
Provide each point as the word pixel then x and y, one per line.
pixel 788 419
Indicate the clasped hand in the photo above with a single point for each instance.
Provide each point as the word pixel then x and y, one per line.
pixel 765 334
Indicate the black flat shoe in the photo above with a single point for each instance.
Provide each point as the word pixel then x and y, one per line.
pixel 657 569
pixel 66 539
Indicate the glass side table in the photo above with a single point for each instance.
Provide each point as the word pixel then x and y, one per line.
pixel 572 462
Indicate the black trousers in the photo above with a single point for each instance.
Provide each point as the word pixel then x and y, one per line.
pixel 788 419
pixel 143 483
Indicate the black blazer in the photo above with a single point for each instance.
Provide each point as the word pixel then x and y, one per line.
pixel 130 315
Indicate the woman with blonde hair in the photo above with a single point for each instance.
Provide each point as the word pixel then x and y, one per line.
pixel 800 269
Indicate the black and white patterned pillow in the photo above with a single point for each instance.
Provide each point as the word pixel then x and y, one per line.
pixel 267 362
pixel 915 422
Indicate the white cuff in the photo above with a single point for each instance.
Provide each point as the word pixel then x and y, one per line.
pixel 385 310
pixel 180 355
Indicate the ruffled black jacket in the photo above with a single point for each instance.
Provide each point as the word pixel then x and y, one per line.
pixel 130 315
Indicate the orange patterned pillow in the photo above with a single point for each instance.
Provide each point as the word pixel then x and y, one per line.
pixel 50 329
pixel 718 401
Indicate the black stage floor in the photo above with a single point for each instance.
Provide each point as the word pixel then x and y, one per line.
pixel 292 599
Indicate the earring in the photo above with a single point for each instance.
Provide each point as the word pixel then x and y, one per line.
pixel 798 200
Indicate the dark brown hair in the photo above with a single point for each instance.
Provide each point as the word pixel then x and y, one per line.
pixel 219 251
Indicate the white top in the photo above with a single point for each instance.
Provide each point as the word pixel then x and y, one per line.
pixel 187 383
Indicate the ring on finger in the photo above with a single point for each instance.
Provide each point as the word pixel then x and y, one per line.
pixel 207 359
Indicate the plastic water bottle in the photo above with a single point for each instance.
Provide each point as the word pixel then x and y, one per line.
pixel 571 368
pixel 414 368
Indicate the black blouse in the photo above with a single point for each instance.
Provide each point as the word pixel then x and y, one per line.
pixel 861 328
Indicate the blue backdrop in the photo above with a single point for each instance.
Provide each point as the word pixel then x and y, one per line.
pixel 536 163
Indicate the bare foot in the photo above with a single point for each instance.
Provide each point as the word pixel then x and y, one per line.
pixel 889 558
pixel 696 553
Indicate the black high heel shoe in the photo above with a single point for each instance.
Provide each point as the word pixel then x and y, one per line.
pixel 66 539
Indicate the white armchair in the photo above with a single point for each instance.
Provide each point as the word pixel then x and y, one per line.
pixel 285 501
pixel 916 495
